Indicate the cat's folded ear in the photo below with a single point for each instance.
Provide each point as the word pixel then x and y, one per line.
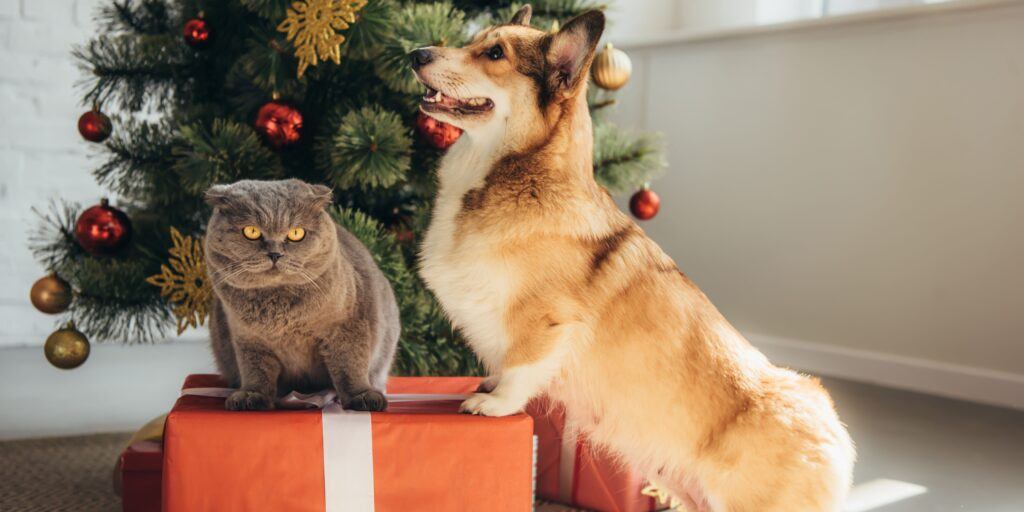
pixel 320 196
pixel 218 196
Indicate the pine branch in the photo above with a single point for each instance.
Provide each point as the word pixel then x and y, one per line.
pixel 365 38
pixel 370 149
pixel 144 17
pixel 53 242
pixel 110 304
pixel 268 68
pixel 226 152
pixel 128 68
pixel 139 157
pixel 624 159
pixel 417 25
pixel 272 10
pixel 598 100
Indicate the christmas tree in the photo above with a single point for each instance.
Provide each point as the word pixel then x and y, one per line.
pixel 204 92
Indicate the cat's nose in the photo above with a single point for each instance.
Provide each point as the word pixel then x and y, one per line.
pixel 274 256
pixel 420 57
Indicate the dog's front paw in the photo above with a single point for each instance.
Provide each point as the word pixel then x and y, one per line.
pixel 488 384
pixel 490 405
pixel 369 400
pixel 243 400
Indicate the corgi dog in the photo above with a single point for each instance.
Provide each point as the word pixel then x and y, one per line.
pixel 559 292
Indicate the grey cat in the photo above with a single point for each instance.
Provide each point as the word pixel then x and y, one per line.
pixel 298 302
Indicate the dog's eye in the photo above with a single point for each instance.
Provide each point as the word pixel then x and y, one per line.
pixel 495 52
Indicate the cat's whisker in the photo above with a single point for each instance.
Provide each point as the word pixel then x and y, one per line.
pixel 229 268
pixel 225 275
pixel 236 270
pixel 305 275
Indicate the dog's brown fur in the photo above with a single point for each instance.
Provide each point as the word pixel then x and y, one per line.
pixel 559 291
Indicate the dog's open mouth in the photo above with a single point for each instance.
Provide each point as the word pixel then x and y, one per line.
pixel 436 101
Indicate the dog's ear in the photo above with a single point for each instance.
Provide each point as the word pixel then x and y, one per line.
pixel 522 16
pixel 571 51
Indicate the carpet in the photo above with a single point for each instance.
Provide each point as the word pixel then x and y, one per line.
pixel 74 474
pixel 60 473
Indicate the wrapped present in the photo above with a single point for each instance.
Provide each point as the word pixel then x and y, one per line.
pixel 571 472
pixel 420 454
pixel 139 476
pixel 137 473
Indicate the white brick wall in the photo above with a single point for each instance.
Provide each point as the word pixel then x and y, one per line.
pixel 41 154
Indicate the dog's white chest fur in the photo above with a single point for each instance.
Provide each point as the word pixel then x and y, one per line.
pixel 463 271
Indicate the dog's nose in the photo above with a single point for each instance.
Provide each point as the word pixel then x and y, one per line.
pixel 420 57
pixel 274 256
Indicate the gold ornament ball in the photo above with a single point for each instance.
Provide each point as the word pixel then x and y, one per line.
pixel 611 69
pixel 51 294
pixel 66 348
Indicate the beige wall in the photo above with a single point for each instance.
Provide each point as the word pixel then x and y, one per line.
pixel 856 186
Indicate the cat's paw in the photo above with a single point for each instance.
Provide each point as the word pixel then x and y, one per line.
pixel 490 405
pixel 243 400
pixel 370 400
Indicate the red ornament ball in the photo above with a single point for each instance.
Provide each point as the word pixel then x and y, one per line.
pixel 644 204
pixel 102 229
pixel 404 236
pixel 94 126
pixel 197 33
pixel 439 134
pixel 279 124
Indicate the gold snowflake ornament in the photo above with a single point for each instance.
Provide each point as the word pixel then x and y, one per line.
pixel 312 26
pixel 184 283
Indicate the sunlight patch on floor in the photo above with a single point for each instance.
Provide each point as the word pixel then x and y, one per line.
pixel 879 493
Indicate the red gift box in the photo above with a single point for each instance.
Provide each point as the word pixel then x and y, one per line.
pixel 140 467
pixel 570 471
pixel 420 454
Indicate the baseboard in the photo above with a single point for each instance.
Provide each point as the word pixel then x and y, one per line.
pixel 937 378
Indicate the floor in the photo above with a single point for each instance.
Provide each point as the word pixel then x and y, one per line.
pixel 60 473
pixel 916 453
pixel 968 457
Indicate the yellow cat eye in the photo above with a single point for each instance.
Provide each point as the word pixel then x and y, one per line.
pixel 296 234
pixel 252 232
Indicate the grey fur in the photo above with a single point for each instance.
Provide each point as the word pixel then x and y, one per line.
pixel 321 316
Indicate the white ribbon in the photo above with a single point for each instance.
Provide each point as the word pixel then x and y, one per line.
pixel 348 459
